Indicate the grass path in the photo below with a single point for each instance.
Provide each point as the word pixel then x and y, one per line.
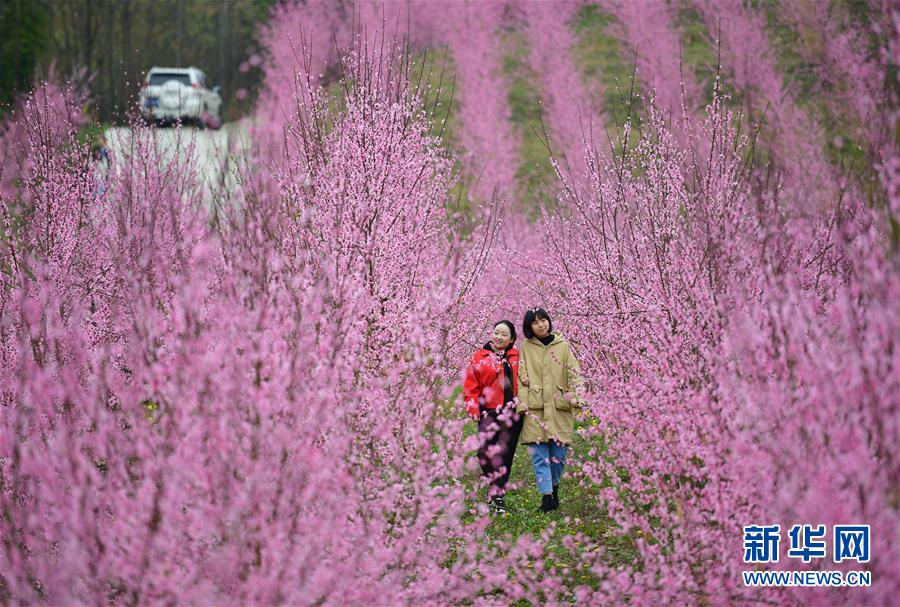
pixel 581 513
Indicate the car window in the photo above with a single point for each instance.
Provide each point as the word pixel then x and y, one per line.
pixel 158 78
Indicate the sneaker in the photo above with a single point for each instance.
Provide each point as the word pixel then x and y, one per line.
pixel 498 505
pixel 547 503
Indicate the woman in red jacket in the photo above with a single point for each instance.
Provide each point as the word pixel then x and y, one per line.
pixel 489 391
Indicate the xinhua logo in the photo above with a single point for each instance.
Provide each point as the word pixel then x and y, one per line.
pixel 806 542
pixel 761 543
pixel 851 543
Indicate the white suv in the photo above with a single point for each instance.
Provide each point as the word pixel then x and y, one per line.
pixel 172 93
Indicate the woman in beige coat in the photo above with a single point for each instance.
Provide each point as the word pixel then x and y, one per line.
pixel 549 380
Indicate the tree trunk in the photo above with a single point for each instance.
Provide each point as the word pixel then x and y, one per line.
pixel 180 18
pixel 87 15
pixel 128 84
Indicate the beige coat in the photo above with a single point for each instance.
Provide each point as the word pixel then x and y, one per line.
pixel 549 400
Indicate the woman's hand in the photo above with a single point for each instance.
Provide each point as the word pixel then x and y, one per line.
pixel 525 381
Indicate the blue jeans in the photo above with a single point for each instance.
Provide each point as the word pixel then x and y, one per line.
pixel 548 460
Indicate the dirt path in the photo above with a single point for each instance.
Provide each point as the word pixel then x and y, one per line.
pixel 215 152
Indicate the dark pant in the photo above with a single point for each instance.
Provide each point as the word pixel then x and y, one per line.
pixel 499 430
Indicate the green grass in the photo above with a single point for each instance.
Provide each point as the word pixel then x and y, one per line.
pixel 788 44
pixel 434 72
pixel 89 134
pixel 601 58
pixel 699 54
pixel 801 79
pixel 535 176
pixel 581 512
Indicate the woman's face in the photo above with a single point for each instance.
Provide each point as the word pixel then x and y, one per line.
pixel 540 327
pixel 501 337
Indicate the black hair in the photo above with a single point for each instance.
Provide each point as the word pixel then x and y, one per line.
pixel 530 315
pixel 512 329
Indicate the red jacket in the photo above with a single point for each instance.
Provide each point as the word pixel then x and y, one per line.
pixel 483 383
